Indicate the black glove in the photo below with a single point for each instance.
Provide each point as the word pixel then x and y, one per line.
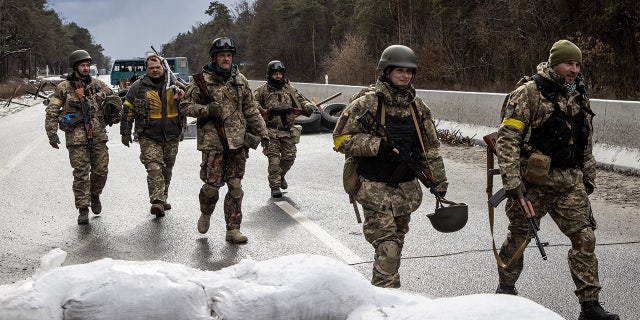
pixel 264 142
pixel 126 139
pixel 589 188
pixel 385 150
pixel 516 193
pixel 54 141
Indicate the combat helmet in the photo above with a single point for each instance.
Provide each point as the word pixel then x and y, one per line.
pixel 222 44
pixel 275 65
pixel 451 218
pixel 77 57
pixel 397 56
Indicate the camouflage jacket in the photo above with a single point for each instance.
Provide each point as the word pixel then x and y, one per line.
pixel 352 139
pixel 232 102
pixel 64 101
pixel 270 98
pixel 528 109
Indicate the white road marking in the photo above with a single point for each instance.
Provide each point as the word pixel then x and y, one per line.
pixel 15 161
pixel 341 250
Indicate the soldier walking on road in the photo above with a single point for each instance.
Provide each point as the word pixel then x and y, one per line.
pixel 544 148
pixel 280 103
pixel 82 107
pixel 387 209
pixel 222 101
pixel 152 103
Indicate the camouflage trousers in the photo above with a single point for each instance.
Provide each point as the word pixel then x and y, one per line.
pixel 158 158
pixel 89 177
pixel 216 170
pixel 282 154
pixel 385 232
pixel 570 211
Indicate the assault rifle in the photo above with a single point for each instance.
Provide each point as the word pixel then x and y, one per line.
pixel 86 116
pixel 407 157
pixel 525 202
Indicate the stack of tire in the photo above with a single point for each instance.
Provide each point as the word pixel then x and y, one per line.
pixel 321 121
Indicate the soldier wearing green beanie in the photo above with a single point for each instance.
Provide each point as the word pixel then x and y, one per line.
pixel 548 119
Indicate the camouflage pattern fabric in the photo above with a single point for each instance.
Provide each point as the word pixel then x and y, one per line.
pixel 387 210
pixel 562 195
pixel 158 158
pixel 88 178
pixel 217 169
pixel 237 114
pixel 282 150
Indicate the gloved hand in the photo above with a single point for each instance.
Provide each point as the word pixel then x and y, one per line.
pixel 517 192
pixel 54 141
pixel 385 150
pixel 126 139
pixel 589 188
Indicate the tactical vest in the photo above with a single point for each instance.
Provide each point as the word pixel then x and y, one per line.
pixel 381 169
pixel 563 136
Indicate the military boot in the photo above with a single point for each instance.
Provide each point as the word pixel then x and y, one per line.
pixel 235 236
pixel 83 215
pixel 283 183
pixel 157 209
pixel 203 223
pixel 504 289
pixel 96 206
pixel 275 192
pixel 592 310
pixel 166 205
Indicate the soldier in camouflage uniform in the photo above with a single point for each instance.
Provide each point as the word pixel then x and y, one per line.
pixel 152 103
pixel 280 103
pixel 388 209
pixel 550 115
pixel 85 132
pixel 227 108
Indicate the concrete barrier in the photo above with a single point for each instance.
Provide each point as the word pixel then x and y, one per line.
pixel 474 114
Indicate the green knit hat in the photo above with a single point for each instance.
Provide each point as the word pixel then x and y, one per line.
pixel 563 51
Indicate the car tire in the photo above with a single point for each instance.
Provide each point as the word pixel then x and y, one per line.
pixel 330 115
pixel 310 124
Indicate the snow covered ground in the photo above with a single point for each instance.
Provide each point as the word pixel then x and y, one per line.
pixel 298 286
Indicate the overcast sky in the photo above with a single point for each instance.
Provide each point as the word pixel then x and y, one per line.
pixel 128 28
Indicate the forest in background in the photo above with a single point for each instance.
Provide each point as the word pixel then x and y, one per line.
pixel 470 45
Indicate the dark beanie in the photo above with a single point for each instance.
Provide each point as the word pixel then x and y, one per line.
pixel 563 51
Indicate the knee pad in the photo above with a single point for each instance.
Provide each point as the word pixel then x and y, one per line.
pixel 209 191
pixel 387 259
pixel 584 241
pixel 154 170
pixel 235 188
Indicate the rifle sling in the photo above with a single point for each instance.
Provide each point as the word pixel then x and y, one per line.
pixel 520 251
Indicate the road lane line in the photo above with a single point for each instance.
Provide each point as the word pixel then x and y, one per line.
pixel 341 250
pixel 15 161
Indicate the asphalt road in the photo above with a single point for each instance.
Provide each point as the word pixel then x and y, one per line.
pixel 314 216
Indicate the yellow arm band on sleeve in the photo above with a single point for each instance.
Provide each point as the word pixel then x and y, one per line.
pixel 514 123
pixel 55 101
pixel 128 104
pixel 337 141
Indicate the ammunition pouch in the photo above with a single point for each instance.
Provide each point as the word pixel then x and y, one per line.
pixel 141 114
pixel 296 132
pixel 537 170
pixel 69 121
